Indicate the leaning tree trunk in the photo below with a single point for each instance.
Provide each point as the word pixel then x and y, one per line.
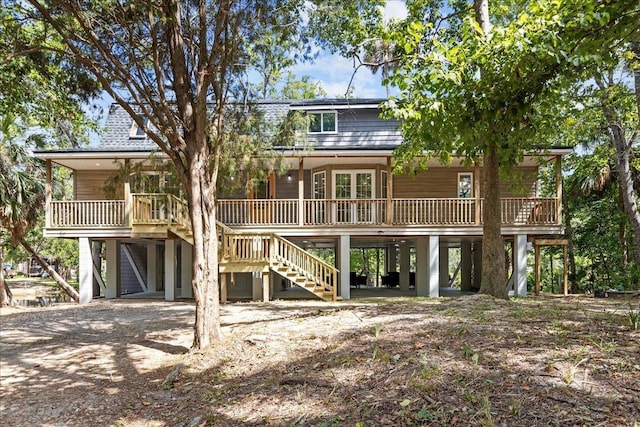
pixel 493 271
pixel 68 289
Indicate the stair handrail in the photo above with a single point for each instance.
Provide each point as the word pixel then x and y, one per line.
pixel 329 284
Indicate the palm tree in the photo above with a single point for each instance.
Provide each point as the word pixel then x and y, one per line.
pixel 22 198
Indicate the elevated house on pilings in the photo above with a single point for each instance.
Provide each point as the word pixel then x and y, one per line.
pixel 337 196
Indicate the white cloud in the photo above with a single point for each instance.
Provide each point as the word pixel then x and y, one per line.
pixel 394 9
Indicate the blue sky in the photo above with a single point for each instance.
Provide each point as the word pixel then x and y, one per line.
pixel 334 72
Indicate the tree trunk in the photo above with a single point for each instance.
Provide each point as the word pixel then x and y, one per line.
pixel 623 149
pixel 59 280
pixel 6 297
pixel 622 235
pixel 205 256
pixel 493 271
pixel 573 278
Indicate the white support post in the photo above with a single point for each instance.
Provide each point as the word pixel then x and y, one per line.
pixel 465 266
pixel 186 269
pixel 520 264
pixel 266 288
pixel 85 270
pixel 392 261
pixel 405 266
pixel 422 266
pixel 444 266
pixel 152 267
pixel 170 270
pixel 256 280
pixel 434 264
pixel 301 210
pixel 344 265
pixel 112 290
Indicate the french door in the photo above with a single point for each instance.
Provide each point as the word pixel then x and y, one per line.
pixel 353 192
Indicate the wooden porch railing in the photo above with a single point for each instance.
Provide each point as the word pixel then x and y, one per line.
pixel 515 211
pixel 148 208
pixel 87 213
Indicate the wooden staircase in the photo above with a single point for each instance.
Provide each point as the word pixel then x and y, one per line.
pixel 269 251
pixel 157 214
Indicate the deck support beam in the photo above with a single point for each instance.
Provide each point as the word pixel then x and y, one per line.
pixel 152 266
pixel 427 265
pixel 85 270
pixel 520 265
pixel 444 266
pixel 170 270
pixel 405 266
pixel 266 287
pixel 301 209
pixel 223 288
pixel 186 269
pixel 344 265
pixel 113 287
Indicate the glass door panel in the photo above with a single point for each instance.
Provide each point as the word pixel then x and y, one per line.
pixel 364 190
pixel 343 192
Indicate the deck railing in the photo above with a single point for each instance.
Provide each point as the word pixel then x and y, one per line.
pixel 87 213
pixel 147 208
pixel 414 212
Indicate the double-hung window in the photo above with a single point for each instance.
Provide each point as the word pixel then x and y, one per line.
pixel 323 122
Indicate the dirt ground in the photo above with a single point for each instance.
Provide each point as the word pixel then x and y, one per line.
pixel 461 361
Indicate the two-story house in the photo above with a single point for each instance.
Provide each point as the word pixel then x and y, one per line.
pixel 337 192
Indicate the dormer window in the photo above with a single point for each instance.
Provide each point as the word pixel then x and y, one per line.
pixel 137 131
pixel 324 122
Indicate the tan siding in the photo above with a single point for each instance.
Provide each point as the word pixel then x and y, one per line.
pixel 443 183
pixel 88 185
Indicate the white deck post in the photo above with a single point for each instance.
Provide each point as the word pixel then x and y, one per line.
pixel 112 290
pixel 444 266
pixel 266 287
pixel 256 281
pixel 520 264
pixel 344 265
pixel 152 267
pixel 405 266
pixel 85 270
pixel 434 264
pixel 186 269
pixel 392 259
pixel 170 270
pixel 422 266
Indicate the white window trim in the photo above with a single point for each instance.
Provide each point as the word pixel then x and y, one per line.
pixel 461 174
pixel 133 133
pixel 313 182
pixel 353 173
pixel 322 131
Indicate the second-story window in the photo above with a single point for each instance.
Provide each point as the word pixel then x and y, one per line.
pixel 137 131
pixel 324 122
pixel 465 185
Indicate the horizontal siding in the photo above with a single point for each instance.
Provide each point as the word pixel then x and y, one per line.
pixel 443 183
pixel 88 185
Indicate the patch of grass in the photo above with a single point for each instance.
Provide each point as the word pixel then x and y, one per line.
pixel 634 317
pixel 486 413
